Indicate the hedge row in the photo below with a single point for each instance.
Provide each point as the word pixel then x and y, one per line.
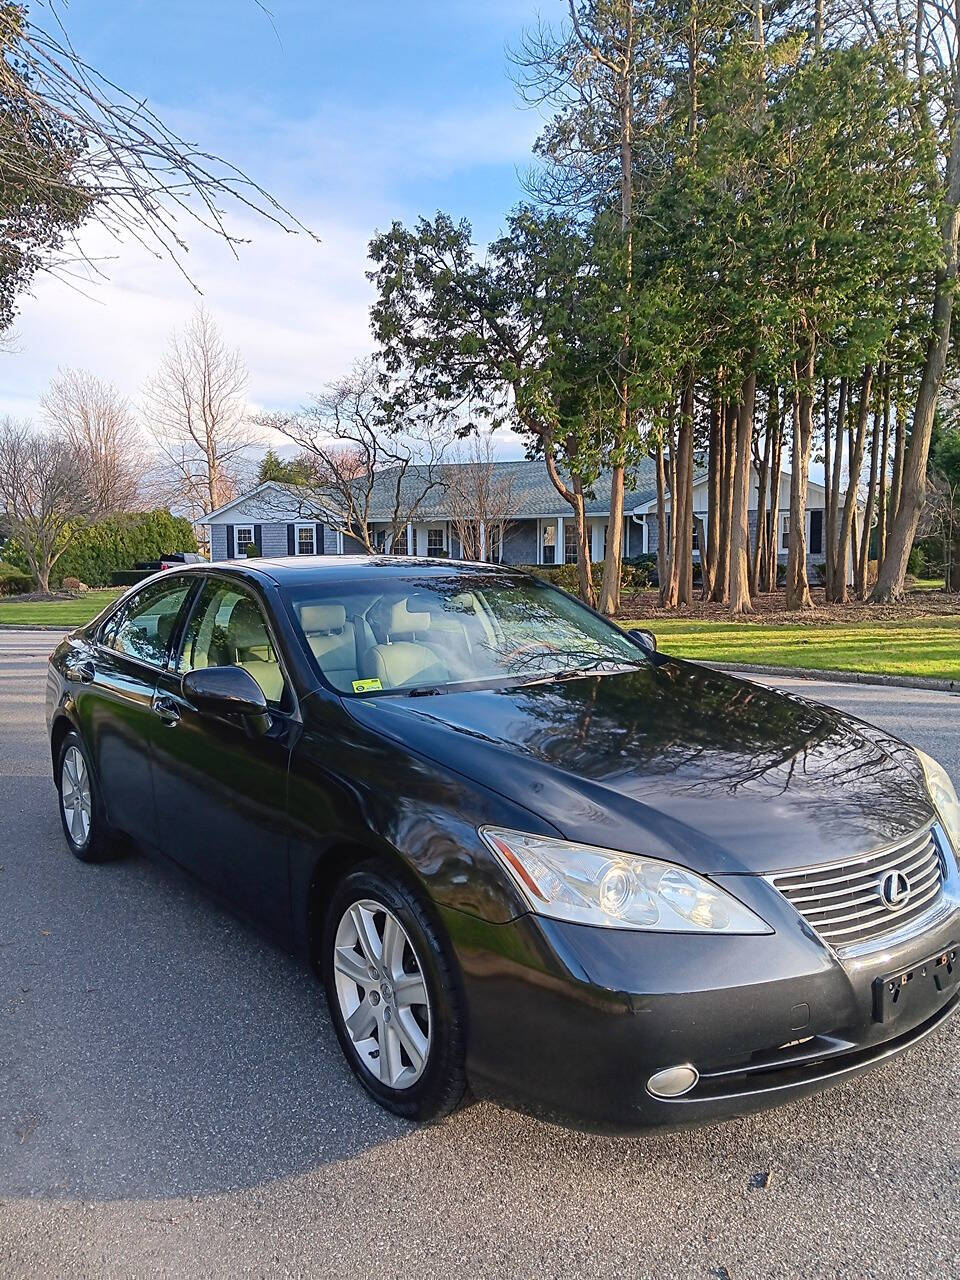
pixel 115 544
pixel 635 577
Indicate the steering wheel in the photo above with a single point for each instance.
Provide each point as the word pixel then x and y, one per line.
pixel 530 645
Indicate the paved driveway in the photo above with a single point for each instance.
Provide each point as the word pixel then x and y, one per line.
pixel 173 1102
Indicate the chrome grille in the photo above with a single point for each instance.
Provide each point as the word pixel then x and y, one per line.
pixel 842 901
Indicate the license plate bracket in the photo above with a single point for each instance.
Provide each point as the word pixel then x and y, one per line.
pixel 937 973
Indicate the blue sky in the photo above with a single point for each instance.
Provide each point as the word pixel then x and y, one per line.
pixel 353 114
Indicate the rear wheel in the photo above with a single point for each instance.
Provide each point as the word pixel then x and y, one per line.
pixel 81 810
pixel 393 995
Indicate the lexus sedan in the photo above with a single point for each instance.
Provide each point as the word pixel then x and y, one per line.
pixel 528 855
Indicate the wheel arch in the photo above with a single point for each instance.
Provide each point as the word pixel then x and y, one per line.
pixel 61 726
pixel 333 863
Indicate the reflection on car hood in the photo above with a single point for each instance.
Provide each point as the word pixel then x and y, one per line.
pixel 676 761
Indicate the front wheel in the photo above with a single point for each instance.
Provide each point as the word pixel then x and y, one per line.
pixel 393 995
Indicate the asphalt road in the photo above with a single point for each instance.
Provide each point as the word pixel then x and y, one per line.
pixel 173 1103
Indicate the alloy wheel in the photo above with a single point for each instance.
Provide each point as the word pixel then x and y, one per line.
pixel 75 796
pixel 382 994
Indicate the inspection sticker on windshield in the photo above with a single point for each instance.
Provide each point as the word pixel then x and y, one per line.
pixel 366 686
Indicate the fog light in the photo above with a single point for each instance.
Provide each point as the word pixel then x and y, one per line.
pixel 673 1081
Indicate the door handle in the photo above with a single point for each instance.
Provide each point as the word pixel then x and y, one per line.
pixel 166 709
pixel 85 672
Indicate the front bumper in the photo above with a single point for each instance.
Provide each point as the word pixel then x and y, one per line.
pixel 570 1021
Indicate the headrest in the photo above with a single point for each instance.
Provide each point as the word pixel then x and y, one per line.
pixel 316 618
pixel 400 621
pixel 246 628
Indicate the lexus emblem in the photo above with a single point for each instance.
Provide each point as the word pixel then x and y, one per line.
pixel 894 890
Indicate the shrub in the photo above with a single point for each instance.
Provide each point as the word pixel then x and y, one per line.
pixel 563 576
pixel 14 581
pixel 636 575
pixel 99 551
pixel 251 552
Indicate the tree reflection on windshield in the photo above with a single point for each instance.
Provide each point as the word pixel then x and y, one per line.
pixel 418 632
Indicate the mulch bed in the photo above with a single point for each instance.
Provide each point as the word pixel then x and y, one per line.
pixel 771 609
pixel 28 597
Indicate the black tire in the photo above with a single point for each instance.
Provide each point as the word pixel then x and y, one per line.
pixel 441 1086
pixel 99 843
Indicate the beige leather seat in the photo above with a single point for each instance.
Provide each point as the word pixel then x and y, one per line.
pixel 399 662
pixel 249 640
pixel 333 641
pixel 404 663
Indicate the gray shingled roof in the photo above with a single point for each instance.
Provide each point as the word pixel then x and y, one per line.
pixel 530 488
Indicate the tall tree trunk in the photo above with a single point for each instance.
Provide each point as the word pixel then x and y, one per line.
pixel 863 561
pixel 584 563
pixel 669 599
pixel 763 474
pixel 721 586
pixel 708 570
pixel 685 493
pixel 884 456
pixel 740 519
pixel 893 571
pixel 574 496
pixel 827 481
pixel 830 560
pixel 663 550
pixel 613 559
pixel 855 465
pixel 772 515
pixel 798 586
pixel 899 449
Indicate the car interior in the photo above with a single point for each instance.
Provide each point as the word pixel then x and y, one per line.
pixel 415 639
pixel 228 630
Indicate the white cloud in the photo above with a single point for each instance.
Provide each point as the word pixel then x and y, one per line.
pixel 297 309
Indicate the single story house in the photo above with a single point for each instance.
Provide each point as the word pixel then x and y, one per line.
pixel 282 520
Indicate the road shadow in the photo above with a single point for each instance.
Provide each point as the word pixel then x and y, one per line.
pixel 151 1044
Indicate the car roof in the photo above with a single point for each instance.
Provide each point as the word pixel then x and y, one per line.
pixel 306 570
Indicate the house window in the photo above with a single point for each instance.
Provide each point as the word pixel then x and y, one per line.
pixel 548 543
pixel 570 543
pixel 379 540
pixel 306 540
pixel 436 542
pixel 784 533
pixel 243 536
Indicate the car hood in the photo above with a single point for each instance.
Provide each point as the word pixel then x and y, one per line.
pixel 676 761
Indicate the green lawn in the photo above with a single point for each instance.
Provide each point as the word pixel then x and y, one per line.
pixel 921 647
pixel 55 613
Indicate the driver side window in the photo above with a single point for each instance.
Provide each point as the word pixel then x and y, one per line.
pixel 228 629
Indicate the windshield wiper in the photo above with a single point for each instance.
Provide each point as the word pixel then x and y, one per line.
pixel 587 669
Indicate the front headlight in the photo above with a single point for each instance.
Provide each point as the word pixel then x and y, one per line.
pixel 944 797
pixel 617 890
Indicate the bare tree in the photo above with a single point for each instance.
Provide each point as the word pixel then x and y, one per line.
pixel 99 422
pixel 196 404
pixel 132 173
pixel 48 491
pixel 363 460
pixel 479 498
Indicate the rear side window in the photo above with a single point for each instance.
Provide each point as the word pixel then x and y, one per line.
pixel 143 627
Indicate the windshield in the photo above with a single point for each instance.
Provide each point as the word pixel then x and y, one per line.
pixel 410 632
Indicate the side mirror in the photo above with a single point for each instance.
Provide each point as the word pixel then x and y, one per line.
pixel 646 639
pixel 224 691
